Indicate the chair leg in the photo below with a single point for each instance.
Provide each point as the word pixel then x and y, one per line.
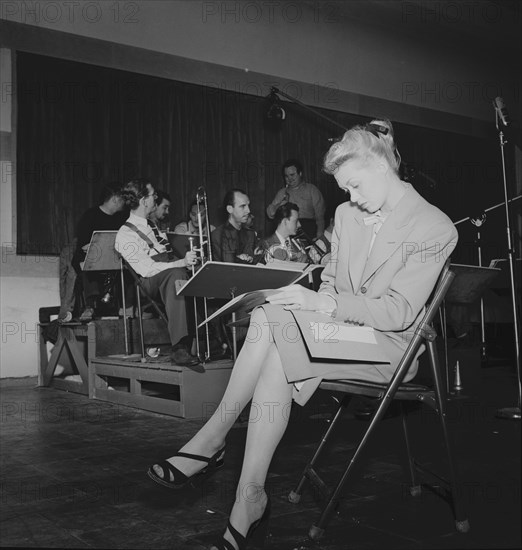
pixel 140 324
pixel 317 531
pixel 415 488
pixel 461 520
pixel 309 473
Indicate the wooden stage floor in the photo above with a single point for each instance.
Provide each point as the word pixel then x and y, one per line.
pixel 74 475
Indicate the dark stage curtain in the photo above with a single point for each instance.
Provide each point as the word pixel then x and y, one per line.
pixel 80 126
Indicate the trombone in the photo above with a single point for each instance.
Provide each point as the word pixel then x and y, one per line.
pixel 204 250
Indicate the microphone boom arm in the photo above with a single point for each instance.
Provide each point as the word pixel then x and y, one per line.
pixel 277 91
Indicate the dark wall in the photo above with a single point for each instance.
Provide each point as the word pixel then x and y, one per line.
pixel 80 126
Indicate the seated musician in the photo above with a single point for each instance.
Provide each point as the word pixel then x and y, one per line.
pixel 191 226
pixel 137 243
pixel 107 216
pixel 280 245
pixel 159 217
pixel 233 242
pixel 321 250
pixel 389 247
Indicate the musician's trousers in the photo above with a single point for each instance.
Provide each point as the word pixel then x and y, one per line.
pixel 164 285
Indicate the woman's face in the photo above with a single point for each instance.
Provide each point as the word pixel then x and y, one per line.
pixel 366 182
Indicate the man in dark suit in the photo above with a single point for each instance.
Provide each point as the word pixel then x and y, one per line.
pixel 233 242
pixel 280 245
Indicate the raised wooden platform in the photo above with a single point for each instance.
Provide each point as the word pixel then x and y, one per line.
pixel 159 386
pixel 78 343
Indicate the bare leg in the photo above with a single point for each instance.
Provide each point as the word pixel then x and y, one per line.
pixel 239 392
pixel 268 422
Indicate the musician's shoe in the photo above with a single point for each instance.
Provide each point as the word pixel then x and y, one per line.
pixel 87 314
pixel 181 356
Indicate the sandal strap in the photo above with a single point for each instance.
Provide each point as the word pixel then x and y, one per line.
pixel 238 537
pixel 195 457
pixel 209 460
pixel 168 467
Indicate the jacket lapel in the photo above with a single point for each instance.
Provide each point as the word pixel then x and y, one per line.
pixel 392 234
pixel 359 236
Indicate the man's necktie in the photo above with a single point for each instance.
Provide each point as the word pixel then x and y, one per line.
pixel 160 237
pixel 288 248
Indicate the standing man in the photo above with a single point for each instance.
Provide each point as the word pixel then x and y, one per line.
pixel 280 246
pixel 307 197
pixel 137 243
pixel 233 242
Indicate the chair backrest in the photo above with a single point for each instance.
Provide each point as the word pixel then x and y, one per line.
pixel 439 292
pixel 423 331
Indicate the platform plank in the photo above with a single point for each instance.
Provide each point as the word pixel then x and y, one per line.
pixel 186 392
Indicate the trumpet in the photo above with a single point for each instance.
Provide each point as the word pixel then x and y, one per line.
pixel 307 243
pixel 204 250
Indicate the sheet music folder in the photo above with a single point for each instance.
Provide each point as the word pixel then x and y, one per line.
pixel 327 339
pixel 470 283
pixel 227 280
pixel 101 254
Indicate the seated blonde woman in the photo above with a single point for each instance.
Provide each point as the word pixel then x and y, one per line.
pixel 389 246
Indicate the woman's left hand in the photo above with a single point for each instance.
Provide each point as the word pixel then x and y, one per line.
pixel 299 297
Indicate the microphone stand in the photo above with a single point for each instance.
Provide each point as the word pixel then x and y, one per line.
pixel 478 222
pixel 512 413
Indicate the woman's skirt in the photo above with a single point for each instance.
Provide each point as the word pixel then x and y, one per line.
pixel 306 373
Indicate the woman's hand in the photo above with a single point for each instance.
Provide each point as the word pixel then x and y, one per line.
pixel 299 297
pixel 191 258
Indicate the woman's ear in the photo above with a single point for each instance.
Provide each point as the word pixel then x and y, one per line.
pixel 382 166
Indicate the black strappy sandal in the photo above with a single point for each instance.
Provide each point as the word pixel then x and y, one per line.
pixel 180 479
pixel 257 531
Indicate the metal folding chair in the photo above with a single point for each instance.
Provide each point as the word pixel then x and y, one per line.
pixel 140 291
pixel 386 393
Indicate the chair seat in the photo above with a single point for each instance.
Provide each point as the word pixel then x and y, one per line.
pixel 407 391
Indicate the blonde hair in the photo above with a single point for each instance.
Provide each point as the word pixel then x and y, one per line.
pixel 371 141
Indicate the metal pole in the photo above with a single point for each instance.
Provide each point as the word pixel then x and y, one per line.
pixel 510 412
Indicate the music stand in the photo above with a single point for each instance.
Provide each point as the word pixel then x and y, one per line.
pixel 467 287
pixel 226 280
pixel 101 254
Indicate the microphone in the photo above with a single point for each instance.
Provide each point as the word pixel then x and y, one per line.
pixel 500 108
